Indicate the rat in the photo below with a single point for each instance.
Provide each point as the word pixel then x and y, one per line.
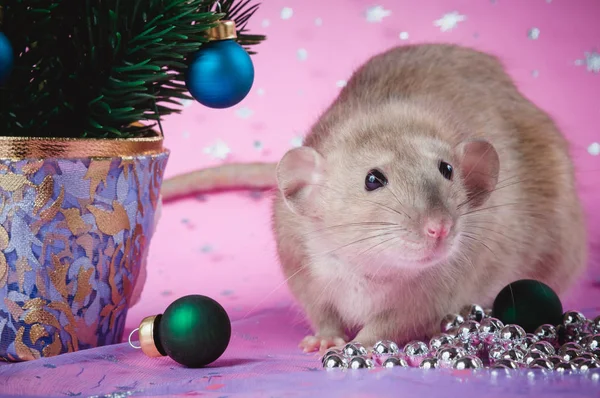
pixel 430 183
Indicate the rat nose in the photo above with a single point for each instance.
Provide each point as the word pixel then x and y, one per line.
pixel 437 228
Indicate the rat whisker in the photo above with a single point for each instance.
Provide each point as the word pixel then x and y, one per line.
pixel 475 239
pixel 472 225
pixel 521 211
pixel 376 245
pixel 400 203
pixel 525 213
pixel 493 207
pixel 304 266
pixel 388 208
pixel 382 263
pixel 355 224
pixel 522 180
pixel 464 258
pixel 479 235
pixel 357 241
pixel 277 287
pixel 362 231
pixel 497 188
pixel 394 195
pixel 479 160
pixel 325 288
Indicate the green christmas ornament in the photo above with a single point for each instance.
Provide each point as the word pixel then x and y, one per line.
pixel 194 331
pixel 529 304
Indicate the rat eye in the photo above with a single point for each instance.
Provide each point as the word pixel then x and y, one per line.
pixel 375 179
pixel 446 170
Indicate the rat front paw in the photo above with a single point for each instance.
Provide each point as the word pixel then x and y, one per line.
pixel 321 343
pixel 367 338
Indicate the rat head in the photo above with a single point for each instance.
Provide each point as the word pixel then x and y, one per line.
pixel 392 200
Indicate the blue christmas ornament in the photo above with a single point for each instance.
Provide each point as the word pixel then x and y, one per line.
pixel 221 73
pixel 6 57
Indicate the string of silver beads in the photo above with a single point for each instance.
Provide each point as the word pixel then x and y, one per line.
pixel 473 339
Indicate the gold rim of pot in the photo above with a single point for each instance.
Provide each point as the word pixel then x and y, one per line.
pixel 19 148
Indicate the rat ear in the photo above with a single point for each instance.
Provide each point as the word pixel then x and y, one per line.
pixel 479 167
pixel 298 172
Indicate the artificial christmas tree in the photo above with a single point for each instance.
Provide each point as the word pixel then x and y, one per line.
pixel 84 85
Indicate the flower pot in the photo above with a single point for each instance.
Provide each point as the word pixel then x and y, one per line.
pixel 76 220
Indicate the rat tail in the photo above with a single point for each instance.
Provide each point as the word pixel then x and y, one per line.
pixel 223 177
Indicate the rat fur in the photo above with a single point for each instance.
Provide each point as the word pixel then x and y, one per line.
pixel 390 262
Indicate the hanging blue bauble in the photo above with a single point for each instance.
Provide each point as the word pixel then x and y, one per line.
pixel 221 73
pixel 6 58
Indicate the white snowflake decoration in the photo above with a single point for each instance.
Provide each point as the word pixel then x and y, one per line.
pixel 186 102
pixel 302 54
pixel 244 112
pixel 533 34
pixel 449 21
pixel 219 150
pixel 594 149
pixel 297 142
pixel 377 13
pixel 286 13
pixel 592 61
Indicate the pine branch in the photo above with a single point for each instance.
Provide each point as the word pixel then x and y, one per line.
pixel 241 13
pixel 91 68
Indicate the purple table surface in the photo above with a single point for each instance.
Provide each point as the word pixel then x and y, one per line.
pixel 263 360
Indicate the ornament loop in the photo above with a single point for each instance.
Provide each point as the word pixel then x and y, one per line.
pixel 131 334
pixel 218 6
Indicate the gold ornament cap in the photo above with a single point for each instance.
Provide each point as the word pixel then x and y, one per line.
pixel 224 30
pixel 146 334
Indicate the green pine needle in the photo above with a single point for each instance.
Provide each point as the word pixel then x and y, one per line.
pixel 91 68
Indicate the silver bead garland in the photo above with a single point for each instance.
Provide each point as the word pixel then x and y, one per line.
pixel 473 339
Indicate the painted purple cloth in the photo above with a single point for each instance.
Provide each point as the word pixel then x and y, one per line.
pixel 75 234
pixel 263 360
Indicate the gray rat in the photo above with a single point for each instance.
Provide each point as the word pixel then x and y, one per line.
pixel 430 183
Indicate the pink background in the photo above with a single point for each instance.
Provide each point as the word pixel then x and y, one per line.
pixel 221 245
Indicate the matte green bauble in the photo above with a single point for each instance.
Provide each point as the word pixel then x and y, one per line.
pixel 194 330
pixel 529 304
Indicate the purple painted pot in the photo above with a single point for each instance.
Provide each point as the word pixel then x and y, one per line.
pixel 76 220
